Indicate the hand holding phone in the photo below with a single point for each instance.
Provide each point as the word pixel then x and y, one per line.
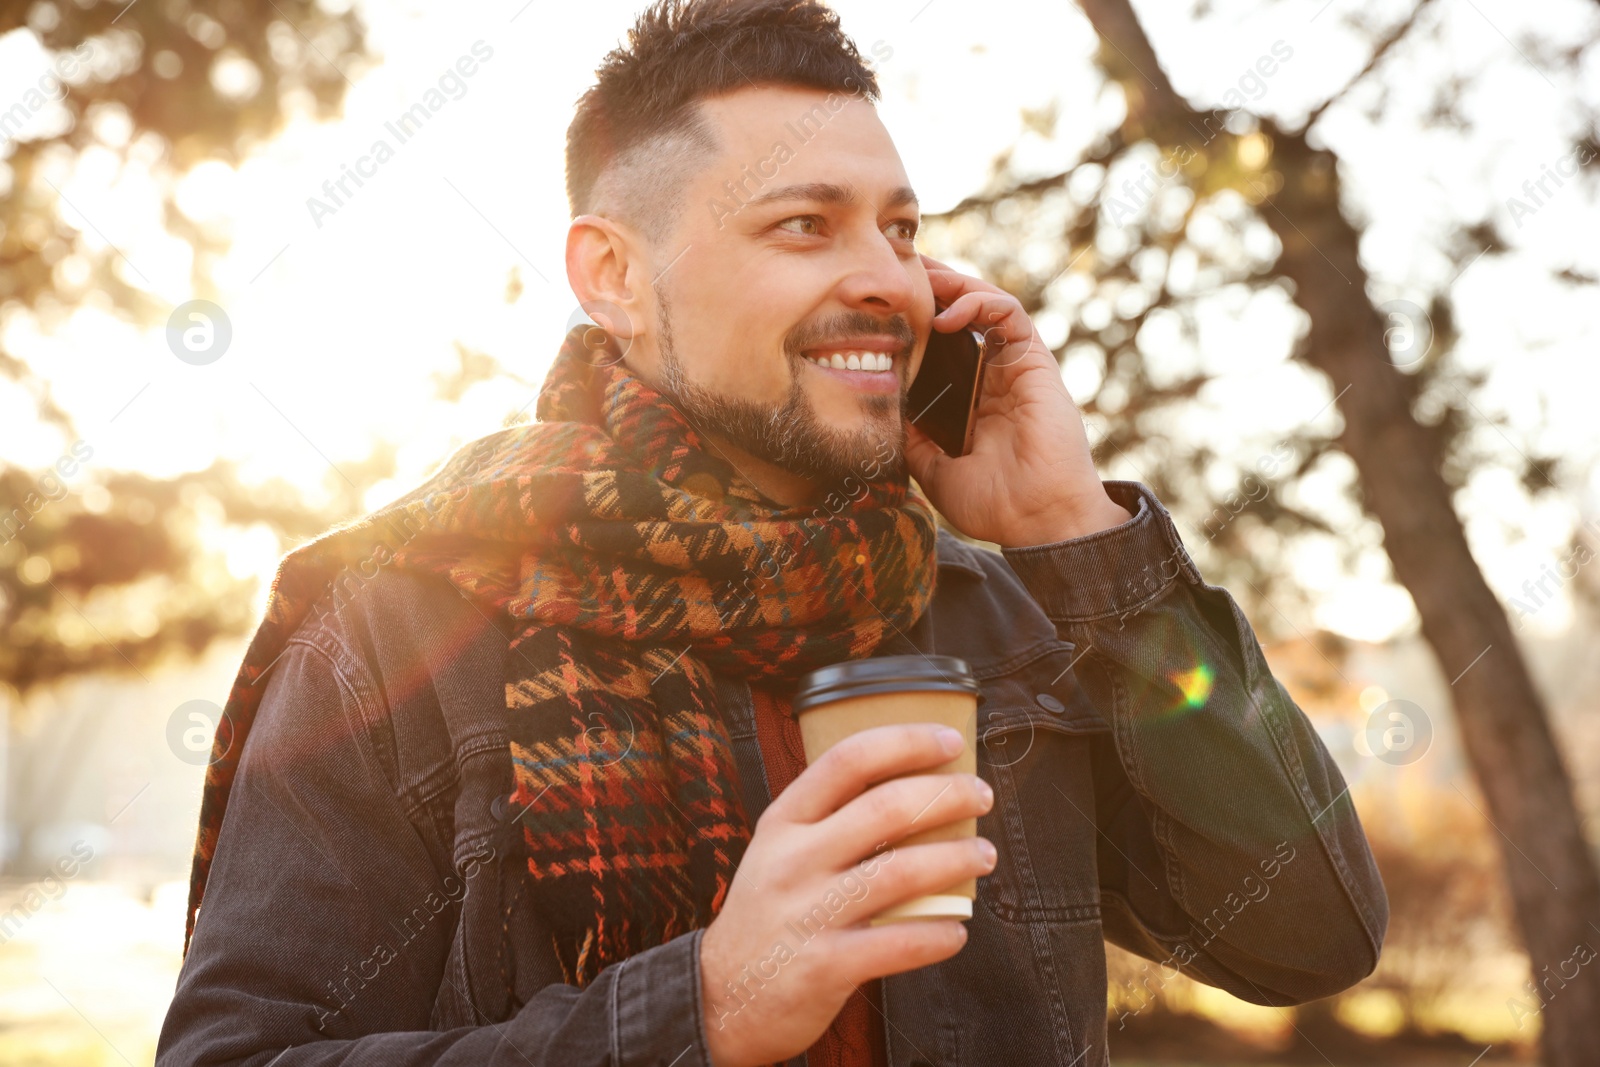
pixel 1031 478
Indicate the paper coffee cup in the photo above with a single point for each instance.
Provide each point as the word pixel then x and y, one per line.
pixel 834 702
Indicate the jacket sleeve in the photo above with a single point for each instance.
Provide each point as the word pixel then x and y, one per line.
pixel 326 926
pixel 1231 850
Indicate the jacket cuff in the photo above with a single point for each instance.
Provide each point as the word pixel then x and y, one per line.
pixel 1111 572
pixel 656 1010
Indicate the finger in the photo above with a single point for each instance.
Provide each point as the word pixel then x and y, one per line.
pixel 934 266
pixel 874 951
pixel 958 312
pixel 902 872
pixel 949 286
pixel 998 316
pixel 850 899
pixel 946 274
pixel 892 810
pixel 859 761
pixel 1023 354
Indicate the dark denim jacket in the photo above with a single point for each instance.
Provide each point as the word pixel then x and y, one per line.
pixel 1154 786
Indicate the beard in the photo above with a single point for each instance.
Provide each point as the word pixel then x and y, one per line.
pixel 788 433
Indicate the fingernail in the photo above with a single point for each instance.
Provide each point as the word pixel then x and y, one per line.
pixel 987 850
pixel 985 790
pixel 950 740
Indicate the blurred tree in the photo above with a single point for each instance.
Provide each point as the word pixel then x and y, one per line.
pixel 117 574
pixel 1169 207
pixel 112 577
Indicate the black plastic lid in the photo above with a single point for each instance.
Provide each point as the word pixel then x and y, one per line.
pixel 884 674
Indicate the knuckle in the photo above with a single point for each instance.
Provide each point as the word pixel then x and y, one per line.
pixel 763 826
pixel 847 759
pixel 919 868
pixel 923 940
pixel 941 797
pixel 891 880
pixel 919 799
pixel 910 939
pixel 883 806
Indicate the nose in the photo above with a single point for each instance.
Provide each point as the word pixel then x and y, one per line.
pixel 879 278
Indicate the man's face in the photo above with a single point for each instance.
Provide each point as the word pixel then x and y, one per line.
pixel 811 263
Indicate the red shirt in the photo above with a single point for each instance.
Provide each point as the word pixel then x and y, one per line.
pixel 855 1037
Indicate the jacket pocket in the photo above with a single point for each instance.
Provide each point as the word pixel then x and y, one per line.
pixel 1035 733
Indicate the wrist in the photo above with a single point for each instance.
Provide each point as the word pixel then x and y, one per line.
pixel 714 1013
pixel 1066 523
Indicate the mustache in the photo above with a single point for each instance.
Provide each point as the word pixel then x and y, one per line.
pixel 811 335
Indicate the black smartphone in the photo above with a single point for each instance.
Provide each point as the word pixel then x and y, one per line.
pixel 943 399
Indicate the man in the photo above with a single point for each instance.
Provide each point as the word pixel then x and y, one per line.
pixel 509 772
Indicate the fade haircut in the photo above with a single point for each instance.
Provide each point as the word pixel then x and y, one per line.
pixel 639 133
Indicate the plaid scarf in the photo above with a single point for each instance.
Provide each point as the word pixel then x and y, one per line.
pixel 627 560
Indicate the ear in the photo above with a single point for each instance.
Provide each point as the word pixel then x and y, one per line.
pixel 606 265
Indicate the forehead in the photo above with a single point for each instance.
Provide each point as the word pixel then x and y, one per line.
pixel 825 134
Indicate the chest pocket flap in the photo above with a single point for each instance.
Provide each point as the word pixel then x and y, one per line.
pixel 1039 692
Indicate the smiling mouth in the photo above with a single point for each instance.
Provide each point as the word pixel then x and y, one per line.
pixel 861 360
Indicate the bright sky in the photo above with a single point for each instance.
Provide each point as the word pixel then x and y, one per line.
pixel 339 320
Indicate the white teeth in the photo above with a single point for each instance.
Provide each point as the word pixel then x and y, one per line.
pixel 867 361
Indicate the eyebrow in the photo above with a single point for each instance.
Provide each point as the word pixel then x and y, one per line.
pixel 828 193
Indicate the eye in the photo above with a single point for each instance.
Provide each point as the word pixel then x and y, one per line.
pixel 909 226
pixel 815 222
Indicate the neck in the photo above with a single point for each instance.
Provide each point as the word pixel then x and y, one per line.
pixel 775 482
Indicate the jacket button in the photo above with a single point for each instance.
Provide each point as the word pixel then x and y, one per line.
pixel 1049 703
pixel 499 809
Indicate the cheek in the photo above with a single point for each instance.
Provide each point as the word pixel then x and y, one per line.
pixel 730 355
pixel 750 376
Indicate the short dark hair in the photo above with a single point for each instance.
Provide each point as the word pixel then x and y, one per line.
pixel 639 133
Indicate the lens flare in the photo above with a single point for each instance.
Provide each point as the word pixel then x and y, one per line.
pixel 1194 684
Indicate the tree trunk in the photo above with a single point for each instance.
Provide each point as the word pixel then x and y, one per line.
pixel 1503 723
